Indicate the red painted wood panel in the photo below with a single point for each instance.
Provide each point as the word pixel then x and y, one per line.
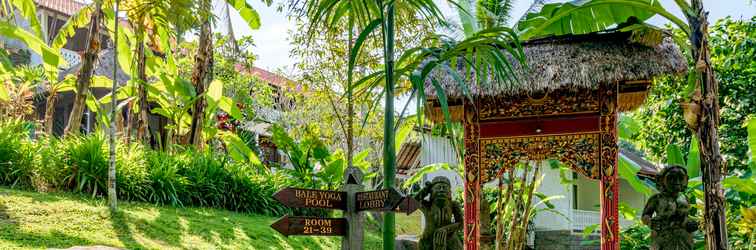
pixel 542 126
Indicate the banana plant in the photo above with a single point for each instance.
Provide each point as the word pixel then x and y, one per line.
pixel 201 75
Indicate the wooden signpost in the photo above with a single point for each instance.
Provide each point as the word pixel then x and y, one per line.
pixel 350 200
pixel 298 197
pixel 293 225
pixel 381 200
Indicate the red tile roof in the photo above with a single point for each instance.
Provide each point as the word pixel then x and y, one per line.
pixel 66 7
pixel 265 75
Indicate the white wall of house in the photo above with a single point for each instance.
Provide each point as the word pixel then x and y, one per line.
pixel 588 195
pixel 551 186
pixel 436 149
pixel 580 205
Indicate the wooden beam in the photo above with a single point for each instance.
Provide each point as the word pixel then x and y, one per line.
pixel 539 127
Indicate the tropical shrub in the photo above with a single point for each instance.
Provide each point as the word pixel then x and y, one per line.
pixel 87 164
pixel 50 163
pixel 165 183
pixel 132 176
pixel 16 154
pixel 184 178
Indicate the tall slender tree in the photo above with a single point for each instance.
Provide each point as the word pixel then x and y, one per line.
pixel 715 227
pixel 112 195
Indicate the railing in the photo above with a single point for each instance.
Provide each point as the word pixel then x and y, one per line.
pixel 582 219
pixel 270 115
pixel 72 57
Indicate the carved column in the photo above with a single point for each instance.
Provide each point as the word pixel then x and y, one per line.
pixel 608 168
pixel 472 177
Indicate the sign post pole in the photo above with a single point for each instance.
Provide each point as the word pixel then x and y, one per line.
pixel 352 185
pixel 351 200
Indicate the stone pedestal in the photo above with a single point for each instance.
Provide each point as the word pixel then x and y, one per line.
pixel 406 242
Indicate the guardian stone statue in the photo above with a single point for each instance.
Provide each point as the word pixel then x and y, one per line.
pixel 667 212
pixel 443 216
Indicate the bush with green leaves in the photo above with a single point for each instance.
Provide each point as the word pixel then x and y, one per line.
pixel 50 163
pixel 16 154
pixel 183 178
pixel 87 164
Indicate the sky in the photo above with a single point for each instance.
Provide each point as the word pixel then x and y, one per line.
pixel 272 39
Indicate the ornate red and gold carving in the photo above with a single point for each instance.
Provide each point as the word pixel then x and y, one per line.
pixel 576 128
pixel 609 154
pixel 579 151
pixel 557 102
pixel 472 178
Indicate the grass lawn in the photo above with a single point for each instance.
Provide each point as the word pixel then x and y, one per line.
pixel 30 220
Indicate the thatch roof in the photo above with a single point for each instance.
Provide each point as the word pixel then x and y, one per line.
pixel 575 62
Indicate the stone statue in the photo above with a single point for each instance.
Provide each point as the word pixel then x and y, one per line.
pixel 667 212
pixel 443 216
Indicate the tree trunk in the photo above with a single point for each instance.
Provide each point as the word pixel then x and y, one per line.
pixel 50 111
pixel 715 228
pixel 350 101
pixel 86 71
pixel 143 130
pixel 129 123
pixel 112 195
pixel 522 240
pixel 389 154
pixel 201 74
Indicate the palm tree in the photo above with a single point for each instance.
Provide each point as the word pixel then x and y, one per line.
pixel 597 15
pixel 484 46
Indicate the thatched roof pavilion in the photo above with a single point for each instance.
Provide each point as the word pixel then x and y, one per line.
pixel 571 63
pixel 564 106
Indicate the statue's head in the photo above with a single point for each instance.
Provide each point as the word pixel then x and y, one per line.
pixel 672 179
pixel 440 189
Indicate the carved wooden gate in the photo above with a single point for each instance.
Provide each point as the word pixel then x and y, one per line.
pixel 577 128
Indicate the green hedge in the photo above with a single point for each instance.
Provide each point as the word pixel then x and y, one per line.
pixel 187 178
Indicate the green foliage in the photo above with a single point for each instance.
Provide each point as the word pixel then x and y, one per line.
pixel 50 57
pixel 636 237
pixel 132 172
pixel 166 183
pixel 417 176
pixel 246 12
pixel 186 178
pixel 583 17
pixel 733 46
pixel 16 154
pixel 674 155
pixel 314 166
pixel 87 165
pixel 752 145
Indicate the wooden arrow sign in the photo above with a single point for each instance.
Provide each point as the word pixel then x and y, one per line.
pixel 293 225
pixel 408 205
pixel 298 197
pixel 382 200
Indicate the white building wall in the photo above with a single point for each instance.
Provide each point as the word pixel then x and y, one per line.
pixel 551 186
pixel 436 149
